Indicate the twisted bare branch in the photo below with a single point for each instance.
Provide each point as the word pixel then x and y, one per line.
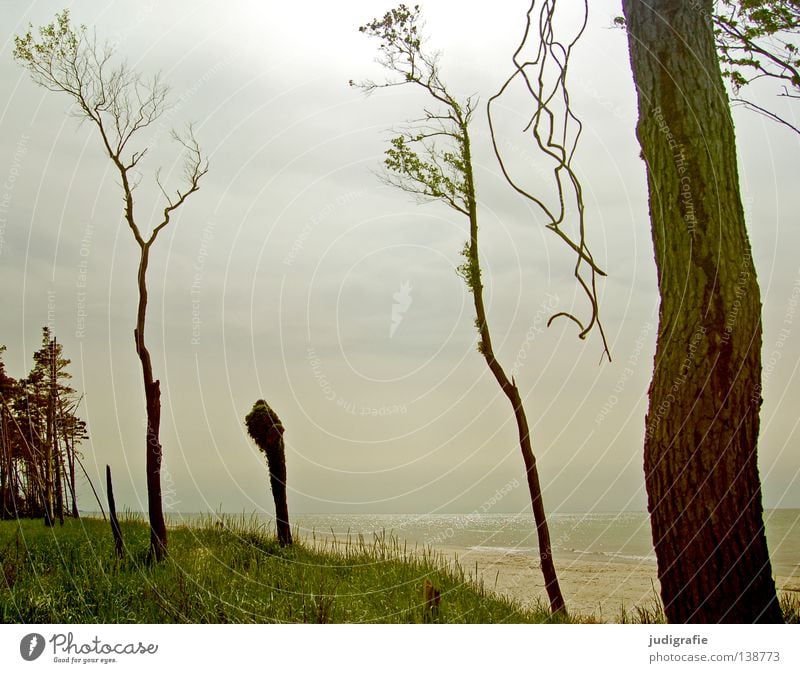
pixel 556 136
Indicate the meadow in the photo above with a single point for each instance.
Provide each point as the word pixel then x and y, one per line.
pixel 230 572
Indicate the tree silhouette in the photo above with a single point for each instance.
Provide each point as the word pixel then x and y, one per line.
pixel 266 429
pixel 39 434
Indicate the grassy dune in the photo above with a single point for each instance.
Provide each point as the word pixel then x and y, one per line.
pixel 228 573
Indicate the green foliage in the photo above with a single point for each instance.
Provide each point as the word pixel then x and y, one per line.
pixel 755 39
pixel 398 28
pixel 790 607
pixel 24 414
pixel 470 269
pixel 431 158
pixel 228 571
pixel 57 41
pixel 263 425
pixel 439 175
pixel 67 59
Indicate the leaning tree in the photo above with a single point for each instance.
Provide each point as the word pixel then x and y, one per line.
pixel 266 429
pixel 432 159
pixel 121 105
pixel 700 459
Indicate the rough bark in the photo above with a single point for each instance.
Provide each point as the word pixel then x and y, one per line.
pixel 701 474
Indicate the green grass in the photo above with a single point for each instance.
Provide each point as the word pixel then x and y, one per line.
pixel 790 605
pixel 650 613
pixel 231 572
pixel 236 573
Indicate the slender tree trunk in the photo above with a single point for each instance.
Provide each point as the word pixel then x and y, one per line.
pixel 29 488
pixel 14 489
pixel 59 487
pixel 701 474
pixel 48 447
pixel 116 533
pixel 5 475
pixel 57 471
pixel 70 446
pixel 152 393
pixel 511 391
pixel 276 460
pixel 69 470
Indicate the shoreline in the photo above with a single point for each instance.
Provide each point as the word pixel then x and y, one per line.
pixel 599 588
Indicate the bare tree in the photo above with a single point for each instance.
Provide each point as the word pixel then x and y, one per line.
pixel 432 159
pixel 120 104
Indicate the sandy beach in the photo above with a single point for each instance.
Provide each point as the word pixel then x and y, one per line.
pixel 595 588
pixel 606 563
pixel 591 587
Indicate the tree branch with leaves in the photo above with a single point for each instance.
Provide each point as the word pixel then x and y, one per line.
pixel 756 40
pixel 431 159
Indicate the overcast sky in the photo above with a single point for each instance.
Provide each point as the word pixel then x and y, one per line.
pixel 279 277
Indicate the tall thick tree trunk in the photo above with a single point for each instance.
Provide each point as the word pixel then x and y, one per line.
pixel 152 393
pixel 701 474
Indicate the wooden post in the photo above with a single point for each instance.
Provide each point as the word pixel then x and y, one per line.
pixel 119 545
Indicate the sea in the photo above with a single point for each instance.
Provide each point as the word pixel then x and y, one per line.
pixel 622 536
